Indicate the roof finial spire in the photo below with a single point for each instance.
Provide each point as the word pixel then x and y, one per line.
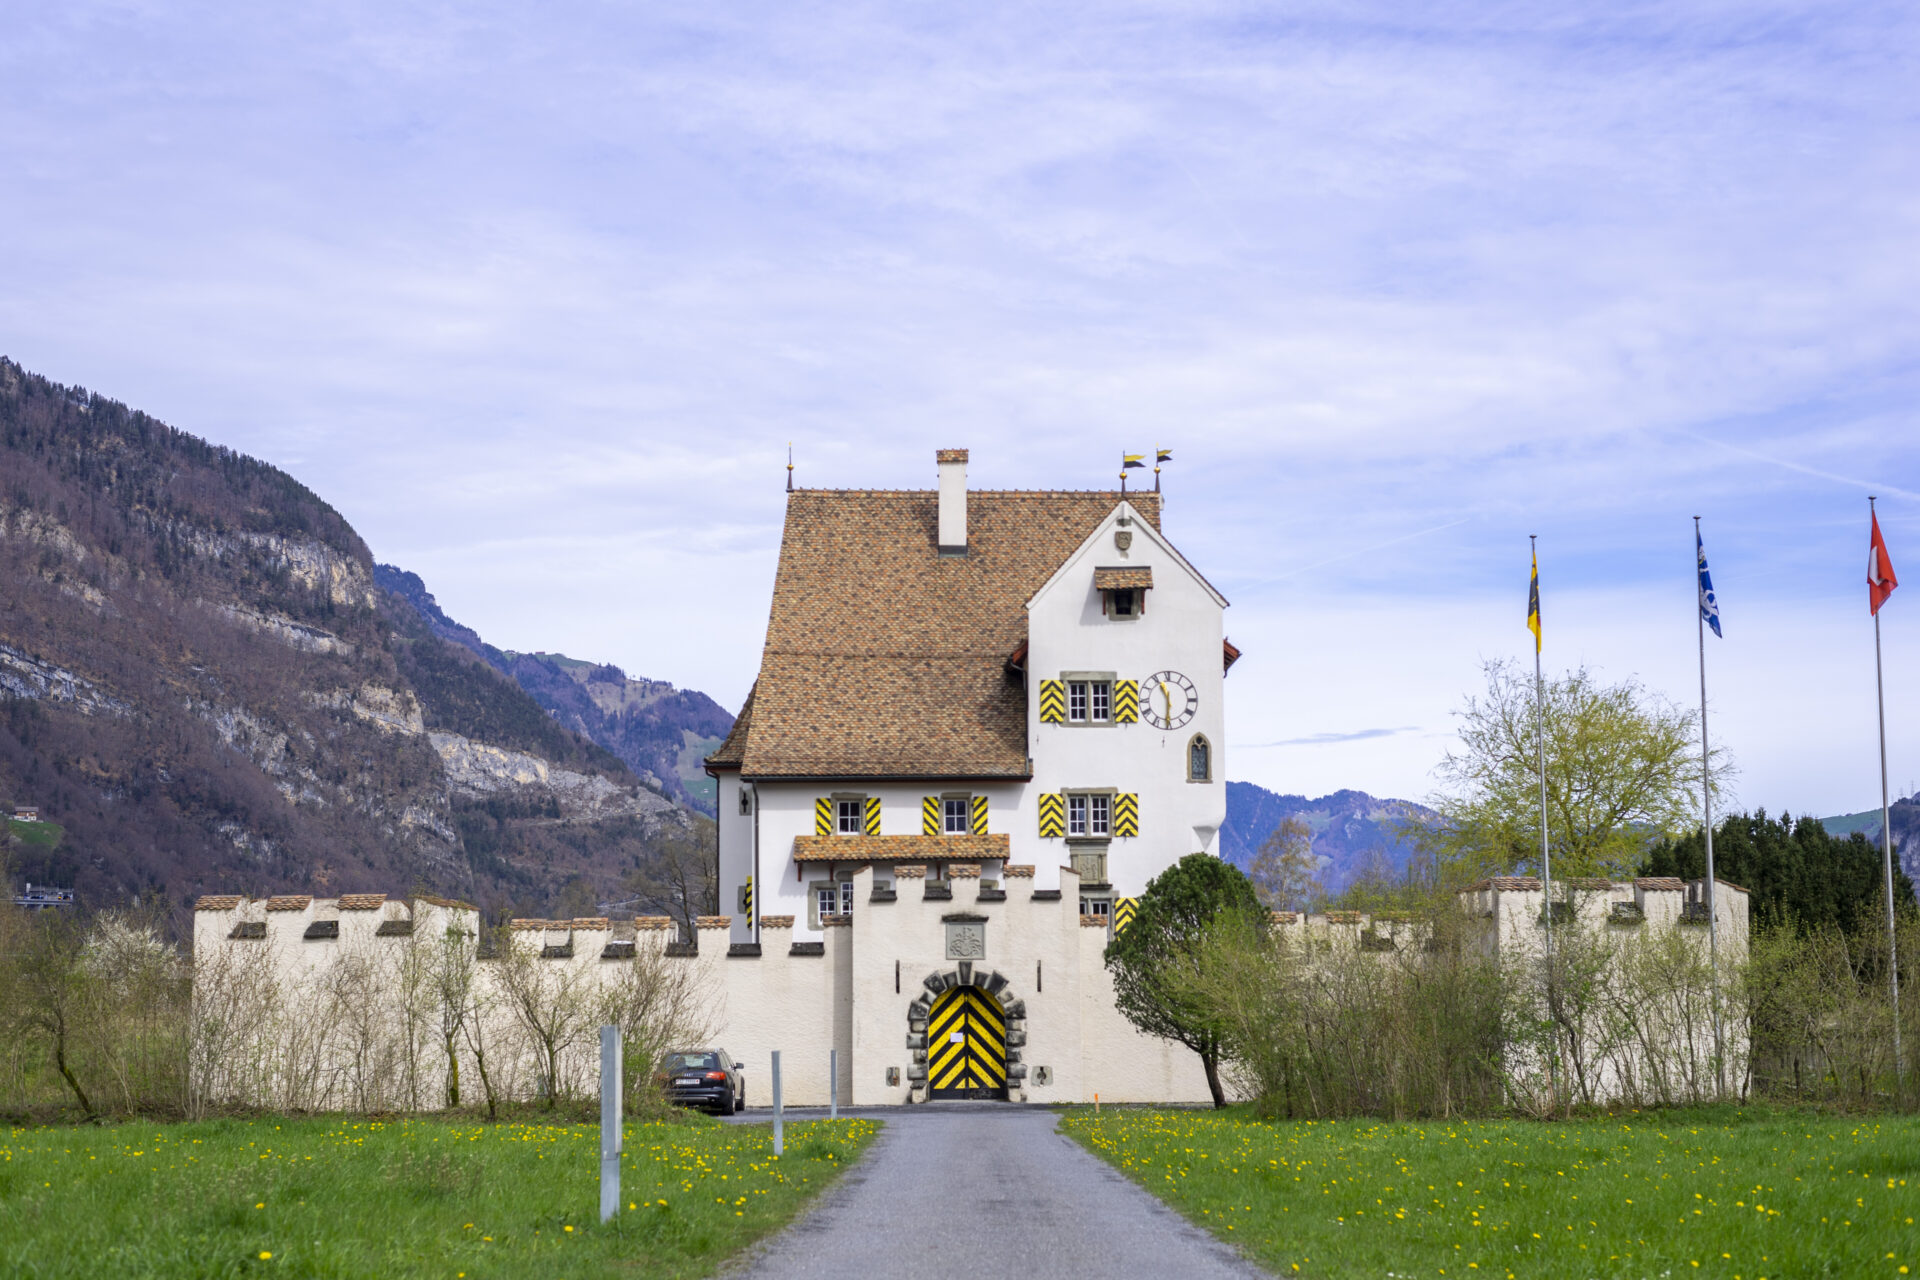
pixel 1160 454
pixel 789 466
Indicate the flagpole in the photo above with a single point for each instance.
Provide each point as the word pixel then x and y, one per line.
pixel 1706 803
pixel 1540 748
pixel 1886 841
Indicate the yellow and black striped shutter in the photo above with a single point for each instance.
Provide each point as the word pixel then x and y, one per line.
pixel 1126 701
pixel 1126 814
pixel 1123 909
pixel 749 902
pixel 1053 814
pixel 979 815
pixel 823 816
pixel 1053 702
pixel 873 815
pixel 930 815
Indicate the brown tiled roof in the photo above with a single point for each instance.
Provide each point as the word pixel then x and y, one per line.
pixel 835 922
pixel 653 922
pixel 592 922
pixel 1344 917
pixel 1673 883
pixel 361 901
pixel 452 904
pixel 1283 917
pixel 965 870
pixel 1018 872
pixel 971 848
pixel 776 922
pixel 216 902
pixel 1506 884
pixel 713 922
pixel 1093 922
pixel 734 749
pixel 949 455
pixel 1122 577
pixel 290 902
pixel 1588 882
pixel 1229 654
pixel 909 873
pixel 884 658
pixel 535 924
pixel 1729 884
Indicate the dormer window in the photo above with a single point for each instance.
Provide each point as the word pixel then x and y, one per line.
pixel 1123 590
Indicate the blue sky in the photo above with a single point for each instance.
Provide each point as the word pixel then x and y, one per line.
pixel 537 296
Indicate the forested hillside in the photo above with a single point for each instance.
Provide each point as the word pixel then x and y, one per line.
pixel 202 688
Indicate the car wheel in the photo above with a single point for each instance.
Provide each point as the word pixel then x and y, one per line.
pixel 740 1102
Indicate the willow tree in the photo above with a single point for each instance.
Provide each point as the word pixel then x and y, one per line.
pixel 1622 771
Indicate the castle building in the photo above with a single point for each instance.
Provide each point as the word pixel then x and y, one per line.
pixel 1007 680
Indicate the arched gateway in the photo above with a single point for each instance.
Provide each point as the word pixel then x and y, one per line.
pixel 966 1031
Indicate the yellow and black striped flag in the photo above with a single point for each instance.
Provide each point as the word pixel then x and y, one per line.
pixel 1533 602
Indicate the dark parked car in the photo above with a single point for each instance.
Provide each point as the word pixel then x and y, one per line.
pixel 704 1078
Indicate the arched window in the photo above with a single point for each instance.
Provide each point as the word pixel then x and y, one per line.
pixel 1199 759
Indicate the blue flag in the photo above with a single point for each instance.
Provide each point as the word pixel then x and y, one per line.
pixel 1709 606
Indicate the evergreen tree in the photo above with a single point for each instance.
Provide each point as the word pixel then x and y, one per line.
pixel 1794 870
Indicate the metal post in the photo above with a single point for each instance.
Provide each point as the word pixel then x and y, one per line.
pixel 779 1117
pixel 1546 849
pixel 611 1144
pixel 1886 845
pixel 1706 800
pixel 833 1084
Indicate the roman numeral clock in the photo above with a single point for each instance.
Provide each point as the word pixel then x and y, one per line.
pixel 1170 700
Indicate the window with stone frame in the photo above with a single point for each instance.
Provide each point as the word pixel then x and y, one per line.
pixel 955 815
pixel 1077 701
pixel 1102 907
pixel 1199 759
pixel 1100 695
pixel 831 898
pixel 849 817
pixel 1090 815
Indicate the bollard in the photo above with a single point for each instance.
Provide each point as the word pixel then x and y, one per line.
pixel 833 1084
pixel 611 1142
pixel 779 1121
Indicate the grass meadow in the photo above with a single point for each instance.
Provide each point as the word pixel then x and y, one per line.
pixel 1723 1193
pixel 343 1197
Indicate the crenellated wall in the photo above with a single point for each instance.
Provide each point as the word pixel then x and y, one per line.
pixel 349 1002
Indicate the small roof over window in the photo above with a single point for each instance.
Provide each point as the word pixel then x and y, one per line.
pixel 1123 578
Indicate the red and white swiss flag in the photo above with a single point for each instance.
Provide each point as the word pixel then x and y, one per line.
pixel 1880 577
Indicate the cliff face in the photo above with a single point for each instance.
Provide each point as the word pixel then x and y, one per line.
pixel 202 685
pixel 660 732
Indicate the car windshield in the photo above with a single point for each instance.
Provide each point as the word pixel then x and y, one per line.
pixel 693 1062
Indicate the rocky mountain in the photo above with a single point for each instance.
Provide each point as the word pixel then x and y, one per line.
pixel 202 687
pixel 660 732
pixel 1352 831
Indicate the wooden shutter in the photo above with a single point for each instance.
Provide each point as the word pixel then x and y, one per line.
pixel 873 815
pixel 1053 814
pixel 1126 701
pixel 930 816
pixel 1126 814
pixel 823 816
pixel 1053 702
pixel 979 815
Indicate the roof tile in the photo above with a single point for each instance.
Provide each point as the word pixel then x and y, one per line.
pixel 968 848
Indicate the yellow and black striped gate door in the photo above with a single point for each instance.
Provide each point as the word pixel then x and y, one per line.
pixel 967 1046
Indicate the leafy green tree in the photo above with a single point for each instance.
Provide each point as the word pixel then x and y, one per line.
pixel 1795 871
pixel 1149 958
pixel 1623 769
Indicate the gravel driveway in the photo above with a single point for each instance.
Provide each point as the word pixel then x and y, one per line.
pixel 980 1191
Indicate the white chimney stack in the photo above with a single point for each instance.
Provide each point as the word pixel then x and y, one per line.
pixel 953 501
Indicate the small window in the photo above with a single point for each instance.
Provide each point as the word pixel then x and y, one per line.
pixel 1102 907
pixel 848 817
pixel 1077 701
pixel 953 815
pixel 1123 603
pixel 1102 697
pixel 832 898
pixel 1199 759
pixel 1090 815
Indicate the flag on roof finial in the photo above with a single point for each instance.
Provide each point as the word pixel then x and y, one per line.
pixel 1160 455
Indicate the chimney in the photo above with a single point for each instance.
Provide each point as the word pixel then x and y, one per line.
pixel 953 501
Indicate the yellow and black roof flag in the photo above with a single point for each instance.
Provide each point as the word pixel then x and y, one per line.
pixel 1130 460
pixel 1162 455
pixel 1533 602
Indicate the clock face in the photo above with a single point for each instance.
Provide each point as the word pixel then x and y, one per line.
pixel 1168 699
